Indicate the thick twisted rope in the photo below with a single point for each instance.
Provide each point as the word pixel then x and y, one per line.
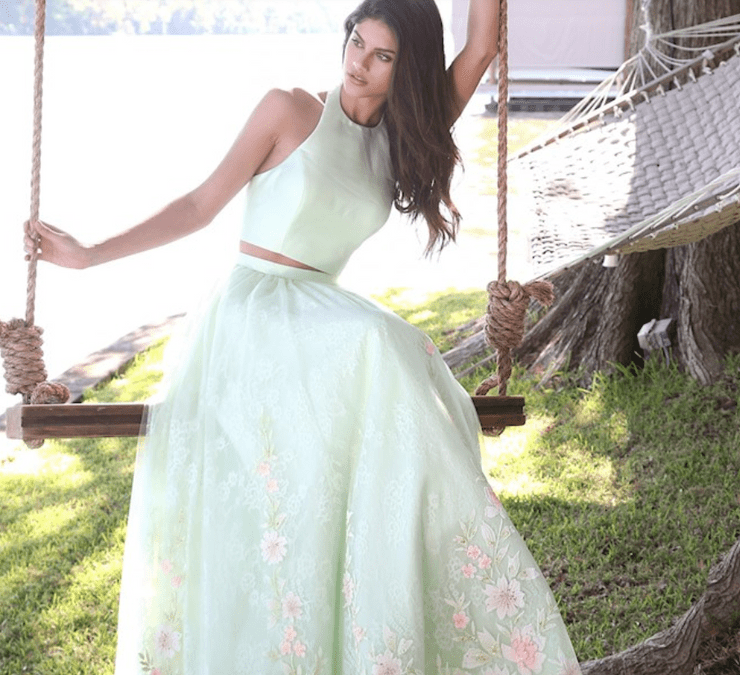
pixel 508 300
pixel 20 340
pixel 38 100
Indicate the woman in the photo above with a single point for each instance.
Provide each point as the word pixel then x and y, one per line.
pixel 309 497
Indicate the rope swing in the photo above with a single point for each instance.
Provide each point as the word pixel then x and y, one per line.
pixel 20 340
pixel 508 300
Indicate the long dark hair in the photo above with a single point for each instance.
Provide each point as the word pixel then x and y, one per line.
pixel 418 114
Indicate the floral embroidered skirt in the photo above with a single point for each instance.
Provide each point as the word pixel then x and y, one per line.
pixel 308 499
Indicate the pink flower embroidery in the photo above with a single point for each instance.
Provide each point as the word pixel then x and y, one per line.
pixel 469 571
pixel 473 552
pixel 387 664
pixel 505 597
pixel 460 620
pixel 292 607
pixel 359 633
pixel 176 582
pixel 272 485
pixel 430 348
pixel 290 634
pixel 264 469
pixel 166 566
pixel 524 651
pixel 156 671
pixel 299 649
pixel 285 647
pixel 484 562
pixel 274 547
pixel 166 641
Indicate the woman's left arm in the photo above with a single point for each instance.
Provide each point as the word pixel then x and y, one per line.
pixel 481 47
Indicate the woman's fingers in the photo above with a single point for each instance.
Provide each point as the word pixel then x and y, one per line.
pixel 31 239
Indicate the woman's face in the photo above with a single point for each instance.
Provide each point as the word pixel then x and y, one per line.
pixel 369 59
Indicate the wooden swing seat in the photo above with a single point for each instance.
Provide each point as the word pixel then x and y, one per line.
pixel 38 422
pixel 90 420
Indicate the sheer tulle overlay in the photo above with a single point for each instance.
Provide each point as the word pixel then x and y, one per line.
pixel 309 500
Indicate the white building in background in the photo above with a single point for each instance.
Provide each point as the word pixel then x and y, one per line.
pixel 559 48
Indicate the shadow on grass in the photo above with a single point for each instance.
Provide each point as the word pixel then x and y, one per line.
pixel 55 529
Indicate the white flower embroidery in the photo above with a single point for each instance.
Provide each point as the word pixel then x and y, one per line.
pixel 348 588
pixel 495 671
pixel 569 667
pixel 387 664
pixel 274 547
pixel 505 597
pixel 292 607
pixel 494 507
pixel 167 641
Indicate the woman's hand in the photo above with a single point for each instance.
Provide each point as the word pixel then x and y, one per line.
pixel 55 246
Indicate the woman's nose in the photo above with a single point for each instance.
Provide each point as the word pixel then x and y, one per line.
pixel 362 63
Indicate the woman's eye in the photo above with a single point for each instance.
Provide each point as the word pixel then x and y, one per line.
pixel 355 42
pixel 384 57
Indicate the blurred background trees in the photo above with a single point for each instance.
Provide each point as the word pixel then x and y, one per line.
pixel 176 17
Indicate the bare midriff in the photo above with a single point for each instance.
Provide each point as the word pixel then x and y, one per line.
pixel 259 252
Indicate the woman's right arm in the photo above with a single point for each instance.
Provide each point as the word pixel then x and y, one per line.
pixel 266 131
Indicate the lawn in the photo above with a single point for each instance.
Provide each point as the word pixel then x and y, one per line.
pixel 626 493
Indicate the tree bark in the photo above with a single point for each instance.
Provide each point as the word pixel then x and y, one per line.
pixel 598 313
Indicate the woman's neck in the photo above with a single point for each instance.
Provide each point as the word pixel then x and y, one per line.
pixel 365 111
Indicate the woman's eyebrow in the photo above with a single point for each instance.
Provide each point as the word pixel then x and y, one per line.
pixel 377 49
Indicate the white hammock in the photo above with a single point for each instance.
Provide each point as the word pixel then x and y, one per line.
pixel 657 167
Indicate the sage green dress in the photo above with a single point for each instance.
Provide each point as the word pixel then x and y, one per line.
pixel 308 498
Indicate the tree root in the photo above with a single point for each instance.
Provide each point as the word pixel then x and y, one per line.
pixel 675 651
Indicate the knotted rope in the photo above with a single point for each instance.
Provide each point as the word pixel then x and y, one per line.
pixel 508 300
pixel 20 340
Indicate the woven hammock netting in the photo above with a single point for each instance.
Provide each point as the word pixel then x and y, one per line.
pixel 650 160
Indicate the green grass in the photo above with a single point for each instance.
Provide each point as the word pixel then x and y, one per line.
pixel 626 493
pixel 63 515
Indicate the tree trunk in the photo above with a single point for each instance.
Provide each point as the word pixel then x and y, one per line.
pixel 599 311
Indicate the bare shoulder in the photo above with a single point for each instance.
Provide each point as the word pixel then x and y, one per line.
pixel 294 112
pixel 307 105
